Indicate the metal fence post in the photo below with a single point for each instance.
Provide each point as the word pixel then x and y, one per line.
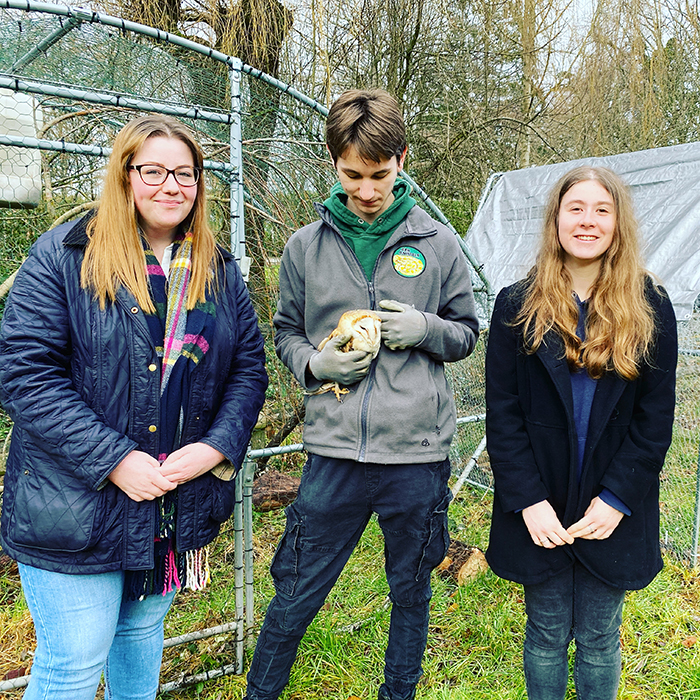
pixel 236 157
pixel 248 477
pixel 238 579
pixel 695 555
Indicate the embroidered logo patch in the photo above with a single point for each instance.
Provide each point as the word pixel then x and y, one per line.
pixel 408 261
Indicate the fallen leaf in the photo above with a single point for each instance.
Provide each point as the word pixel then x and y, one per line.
pixel 689 641
pixel 475 565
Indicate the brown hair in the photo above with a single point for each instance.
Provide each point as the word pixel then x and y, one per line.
pixel 114 254
pixel 369 120
pixel 620 320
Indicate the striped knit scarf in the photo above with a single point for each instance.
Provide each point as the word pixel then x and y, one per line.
pixel 182 339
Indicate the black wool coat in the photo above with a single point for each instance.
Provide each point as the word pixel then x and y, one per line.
pixel 532 444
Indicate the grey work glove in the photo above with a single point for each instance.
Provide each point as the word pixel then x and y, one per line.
pixel 402 325
pixel 331 365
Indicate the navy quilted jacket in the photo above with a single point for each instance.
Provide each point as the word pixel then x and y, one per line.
pixel 82 388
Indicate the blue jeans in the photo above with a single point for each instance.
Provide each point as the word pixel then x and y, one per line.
pixel 573 605
pixel 335 502
pixel 85 625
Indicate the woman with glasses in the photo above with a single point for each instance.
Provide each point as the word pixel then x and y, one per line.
pixel 133 368
pixel 580 394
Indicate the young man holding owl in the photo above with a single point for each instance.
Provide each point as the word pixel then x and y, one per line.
pixel 378 443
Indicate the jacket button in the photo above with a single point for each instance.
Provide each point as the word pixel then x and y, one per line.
pixel 134 309
pixel 26 472
pixel 152 367
pixel 152 428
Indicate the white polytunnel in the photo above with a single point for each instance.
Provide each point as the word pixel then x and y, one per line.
pixel 665 184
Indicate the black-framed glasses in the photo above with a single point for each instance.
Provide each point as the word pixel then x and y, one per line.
pixel 151 174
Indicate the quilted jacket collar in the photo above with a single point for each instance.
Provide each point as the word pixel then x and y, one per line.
pixel 77 236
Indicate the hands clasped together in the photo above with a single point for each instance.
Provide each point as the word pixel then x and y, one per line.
pixel 598 523
pixel 142 478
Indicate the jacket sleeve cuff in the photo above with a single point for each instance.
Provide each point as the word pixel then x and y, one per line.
pixel 607 496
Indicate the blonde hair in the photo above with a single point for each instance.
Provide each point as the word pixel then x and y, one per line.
pixel 114 254
pixel 620 320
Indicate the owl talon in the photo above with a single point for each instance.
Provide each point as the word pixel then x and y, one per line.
pixel 364 329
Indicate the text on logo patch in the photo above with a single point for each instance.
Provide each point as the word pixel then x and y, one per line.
pixel 408 261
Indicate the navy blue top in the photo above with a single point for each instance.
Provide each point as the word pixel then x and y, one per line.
pixel 583 388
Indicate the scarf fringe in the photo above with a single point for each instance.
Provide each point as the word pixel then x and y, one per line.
pixel 198 574
pixel 172 571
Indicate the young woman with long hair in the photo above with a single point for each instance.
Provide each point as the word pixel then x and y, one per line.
pixel 580 392
pixel 132 366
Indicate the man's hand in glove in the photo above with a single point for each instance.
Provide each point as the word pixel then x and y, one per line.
pixel 402 325
pixel 331 365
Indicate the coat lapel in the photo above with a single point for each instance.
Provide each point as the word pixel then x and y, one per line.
pixel 551 353
pixel 607 393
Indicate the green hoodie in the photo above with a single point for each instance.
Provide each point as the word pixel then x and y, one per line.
pixel 368 240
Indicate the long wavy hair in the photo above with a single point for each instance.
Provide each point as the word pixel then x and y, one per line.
pixel 114 254
pixel 620 320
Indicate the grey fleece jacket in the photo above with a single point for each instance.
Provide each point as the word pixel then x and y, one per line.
pixel 403 411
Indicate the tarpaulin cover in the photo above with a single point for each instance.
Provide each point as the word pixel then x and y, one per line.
pixel 665 184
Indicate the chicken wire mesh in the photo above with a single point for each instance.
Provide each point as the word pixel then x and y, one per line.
pixel 679 478
pixel 70 79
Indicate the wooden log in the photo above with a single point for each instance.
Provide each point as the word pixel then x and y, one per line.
pixel 462 563
pixel 274 489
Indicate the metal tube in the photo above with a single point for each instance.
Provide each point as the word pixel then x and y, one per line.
pixel 695 555
pixel 236 155
pixel 82 149
pixel 471 419
pixel 285 88
pixel 272 451
pixel 238 569
pixel 14 683
pixel 106 98
pixel 468 468
pixel 200 634
pixel 248 477
pixel 228 670
pixel 443 219
pixel 45 44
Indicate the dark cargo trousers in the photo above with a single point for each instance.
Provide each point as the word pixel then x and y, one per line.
pixel 336 499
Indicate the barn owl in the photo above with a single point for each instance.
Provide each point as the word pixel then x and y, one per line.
pixel 364 328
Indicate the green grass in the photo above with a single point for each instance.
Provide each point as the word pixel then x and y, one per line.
pixel 475 639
